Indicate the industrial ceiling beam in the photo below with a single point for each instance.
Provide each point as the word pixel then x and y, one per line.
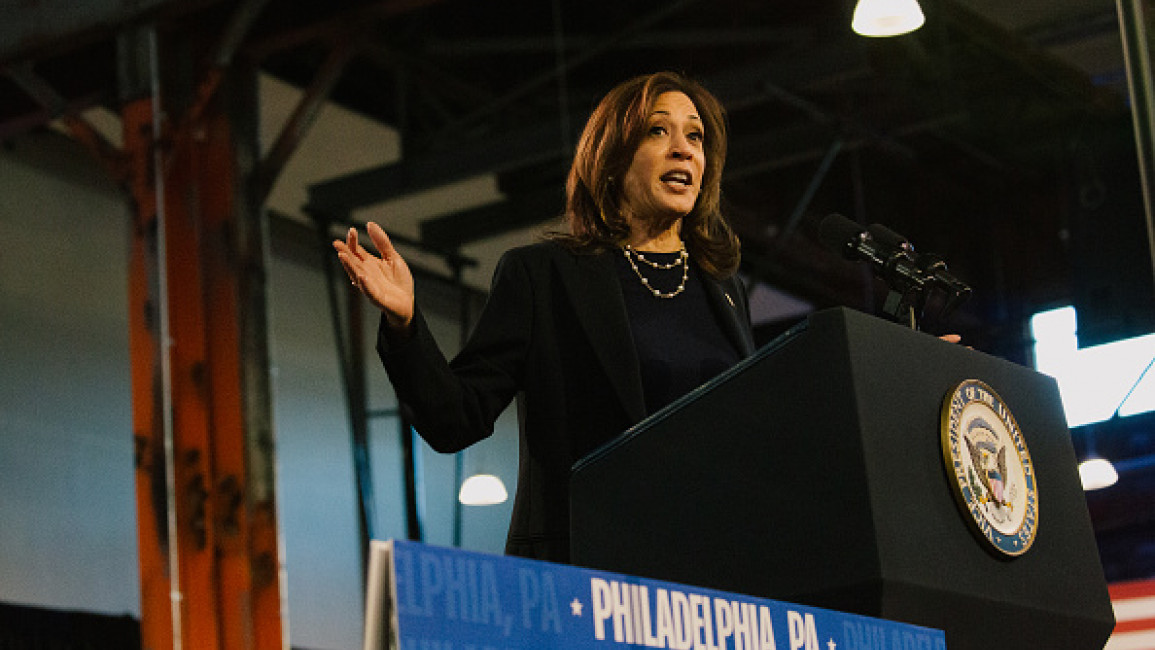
pixel 57 107
pixel 336 25
pixel 388 58
pixel 1049 71
pixel 233 35
pixel 472 157
pixel 546 44
pixel 304 115
pixel 519 211
pixel 537 82
pixel 37 27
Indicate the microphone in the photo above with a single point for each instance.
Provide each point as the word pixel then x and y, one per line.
pixel 931 265
pixel 889 253
pixel 893 258
pixel 890 238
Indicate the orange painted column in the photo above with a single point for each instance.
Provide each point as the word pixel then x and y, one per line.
pixel 208 540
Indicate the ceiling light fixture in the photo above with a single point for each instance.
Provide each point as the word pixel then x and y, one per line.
pixel 482 490
pixel 1097 473
pixel 886 17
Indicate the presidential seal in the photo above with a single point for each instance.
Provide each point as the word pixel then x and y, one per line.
pixel 989 468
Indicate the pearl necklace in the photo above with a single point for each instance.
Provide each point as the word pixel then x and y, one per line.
pixel 683 261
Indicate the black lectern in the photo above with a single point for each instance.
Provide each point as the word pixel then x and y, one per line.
pixel 813 472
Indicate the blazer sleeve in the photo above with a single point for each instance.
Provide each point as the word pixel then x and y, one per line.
pixel 454 404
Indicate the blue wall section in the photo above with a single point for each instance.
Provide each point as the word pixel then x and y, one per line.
pixel 67 497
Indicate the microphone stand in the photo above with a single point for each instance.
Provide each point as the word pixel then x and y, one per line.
pixel 907 300
pixel 907 282
pixel 899 306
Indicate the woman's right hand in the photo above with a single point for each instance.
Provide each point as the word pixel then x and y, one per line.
pixel 386 281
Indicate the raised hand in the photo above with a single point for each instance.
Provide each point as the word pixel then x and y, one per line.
pixel 386 281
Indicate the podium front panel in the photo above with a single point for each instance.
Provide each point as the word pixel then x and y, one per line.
pixel 813 472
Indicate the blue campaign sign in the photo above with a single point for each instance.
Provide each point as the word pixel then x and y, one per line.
pixel 430 598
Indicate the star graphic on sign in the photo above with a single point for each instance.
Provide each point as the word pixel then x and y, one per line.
pixel 831 645
pixel 576 607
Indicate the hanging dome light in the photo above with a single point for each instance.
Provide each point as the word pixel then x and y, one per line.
pixel 887 17
pixel 482 490
pixel 1097 473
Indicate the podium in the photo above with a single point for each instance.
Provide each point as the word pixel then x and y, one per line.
pixel 813 472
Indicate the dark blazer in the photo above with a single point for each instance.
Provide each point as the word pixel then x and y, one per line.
pixel 554 332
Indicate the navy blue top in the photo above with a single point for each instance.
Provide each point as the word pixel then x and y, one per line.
pixel 679 341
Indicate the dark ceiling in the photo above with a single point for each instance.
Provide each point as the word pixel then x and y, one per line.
pixel 972 137
pixel 970 140
pixel 975 142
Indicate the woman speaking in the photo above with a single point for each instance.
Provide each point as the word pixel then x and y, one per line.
pixel 595 328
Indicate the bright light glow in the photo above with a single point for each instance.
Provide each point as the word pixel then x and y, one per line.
pixel 1097 473
pixel 482 490
pixel 886 17
pixel 1094 381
